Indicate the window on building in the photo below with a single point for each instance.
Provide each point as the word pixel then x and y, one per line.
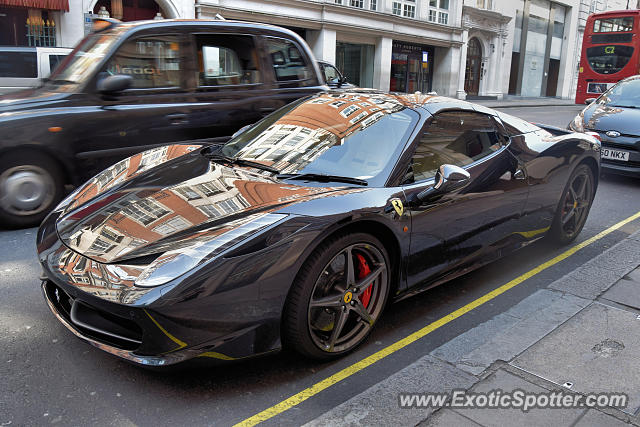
pixel 409 11
pixel 397 8
pixel 438 11
pixel 373 4
pixel 484 4
pixel 209 210
pixel 225 60
pixel 349 110
pixel 188 193
pixel 100 246
pixel 209 188
pixel 145 211
pixel 357 3
pixel 173 225
pixel 152 157
pixel 153 62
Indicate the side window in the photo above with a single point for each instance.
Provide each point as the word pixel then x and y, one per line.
pixel 457 138
pixel 54 60
pixel 330 74
pixel 153 61
pixel 18 64
pixel 226 60
pixel 288 62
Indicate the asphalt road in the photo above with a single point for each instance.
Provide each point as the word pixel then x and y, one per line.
pixel 49 376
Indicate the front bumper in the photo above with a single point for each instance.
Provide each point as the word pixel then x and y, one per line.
pixel 226 311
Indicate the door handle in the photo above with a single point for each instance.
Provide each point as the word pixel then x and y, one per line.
pixel 177 119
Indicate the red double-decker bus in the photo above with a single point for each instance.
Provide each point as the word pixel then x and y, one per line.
pixel 610 52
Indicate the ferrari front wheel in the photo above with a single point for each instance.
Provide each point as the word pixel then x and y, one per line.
pixel 337 297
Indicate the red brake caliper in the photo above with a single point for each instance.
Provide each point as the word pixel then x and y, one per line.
pixel 364 271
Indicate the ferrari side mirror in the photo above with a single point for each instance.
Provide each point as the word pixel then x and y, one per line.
pixel 448 178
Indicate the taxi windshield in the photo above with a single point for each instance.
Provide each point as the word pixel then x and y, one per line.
pixel 83 60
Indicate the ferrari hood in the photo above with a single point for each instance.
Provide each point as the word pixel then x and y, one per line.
pixel 604 118
pixel 166 199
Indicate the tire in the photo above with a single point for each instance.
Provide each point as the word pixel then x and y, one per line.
pixel 573 207
pixel 31 184
pixel 320 300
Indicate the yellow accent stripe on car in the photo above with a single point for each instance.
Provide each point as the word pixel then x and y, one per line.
pixel 533 233
pixel 181 344
pixel 307 393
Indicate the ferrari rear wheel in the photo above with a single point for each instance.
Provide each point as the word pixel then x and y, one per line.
pixel 574 206
pixel 337 297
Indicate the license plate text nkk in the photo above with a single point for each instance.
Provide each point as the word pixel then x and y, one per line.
pixel 610 154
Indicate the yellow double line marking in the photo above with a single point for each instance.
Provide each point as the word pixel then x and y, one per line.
pixel 307 393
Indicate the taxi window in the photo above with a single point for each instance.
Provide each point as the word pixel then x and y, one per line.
pixel 225 60
pixel 288 62
pixel 153 62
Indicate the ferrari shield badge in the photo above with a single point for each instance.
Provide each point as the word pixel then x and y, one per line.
pixel 397 205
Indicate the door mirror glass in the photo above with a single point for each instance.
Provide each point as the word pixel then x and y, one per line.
pixel 448 178
pixel 115 83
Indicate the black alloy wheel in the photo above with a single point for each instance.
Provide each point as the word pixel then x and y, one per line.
pixel 337 297
pixel 574 206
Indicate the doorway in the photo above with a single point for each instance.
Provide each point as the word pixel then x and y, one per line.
pixel 473 67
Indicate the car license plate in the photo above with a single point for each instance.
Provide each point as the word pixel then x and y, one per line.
pixel 608 153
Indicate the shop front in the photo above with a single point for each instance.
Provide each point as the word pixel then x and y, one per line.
pixel 30 22
pixel 411 67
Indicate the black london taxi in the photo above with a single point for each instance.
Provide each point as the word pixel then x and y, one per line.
pixel 128 87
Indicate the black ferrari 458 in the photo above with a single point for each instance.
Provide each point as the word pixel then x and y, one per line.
pixel 301 228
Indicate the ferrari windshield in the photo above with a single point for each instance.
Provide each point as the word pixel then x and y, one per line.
pixel 84 59
pixel 624 94
pixel 342 134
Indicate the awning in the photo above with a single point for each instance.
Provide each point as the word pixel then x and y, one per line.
pixel 38 4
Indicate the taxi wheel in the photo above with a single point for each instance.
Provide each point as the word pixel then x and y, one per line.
pixel 574 206
pixel 337 297
pixel 31 184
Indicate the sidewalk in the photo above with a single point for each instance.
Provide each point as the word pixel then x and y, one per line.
pixel 519 102
pixel 579 335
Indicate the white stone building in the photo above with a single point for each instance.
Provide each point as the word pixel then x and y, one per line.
pixel 462 48
pixel 403 45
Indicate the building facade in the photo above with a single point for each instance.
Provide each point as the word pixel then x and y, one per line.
pixel 462 48
pixel 401 45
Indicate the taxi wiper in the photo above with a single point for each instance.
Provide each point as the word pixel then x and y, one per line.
pixel 221 158
pixel 321 177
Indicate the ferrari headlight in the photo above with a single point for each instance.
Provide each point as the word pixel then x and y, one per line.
pixel 577 125
pixel 206 246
